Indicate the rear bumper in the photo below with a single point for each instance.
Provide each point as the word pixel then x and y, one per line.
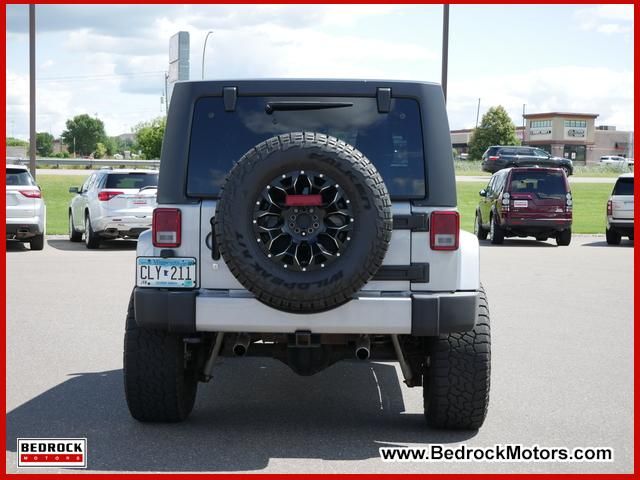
pixel 492 166
pixel 419 314
pixel 123 225
pixel 536 225
pixel 623 227
pixel 22 228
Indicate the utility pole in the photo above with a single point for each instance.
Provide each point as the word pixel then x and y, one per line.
pixel 524 105
pixel 478 113
pixel 445 48
pixel 32 89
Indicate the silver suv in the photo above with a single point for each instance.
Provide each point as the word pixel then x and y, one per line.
pixel 620 210
pixel 112 204
pixel 309 221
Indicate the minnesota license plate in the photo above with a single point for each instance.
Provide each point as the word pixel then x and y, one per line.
pixel 176 272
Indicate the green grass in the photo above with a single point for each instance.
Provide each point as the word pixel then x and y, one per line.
pixel 472 168
pixel 55 190
pixel 589 205
pixel 590 200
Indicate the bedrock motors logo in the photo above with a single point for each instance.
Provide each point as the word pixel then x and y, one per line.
pixel 52 452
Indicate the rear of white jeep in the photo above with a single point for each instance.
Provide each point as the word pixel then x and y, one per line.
pixel 309 221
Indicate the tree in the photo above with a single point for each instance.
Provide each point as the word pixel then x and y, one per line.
pixel 87 131
pixel 100 151
pixel 149 137
pixel 44 144
pixel 496 128
pixel 16 142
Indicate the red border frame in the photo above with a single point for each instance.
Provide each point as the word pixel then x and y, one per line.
pixel 270 476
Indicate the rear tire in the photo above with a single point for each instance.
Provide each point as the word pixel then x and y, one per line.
pixel 74 236
pixel 566 171
pixel 613 237
pixel 497 232
pixel 456 384
pixel 563 238
pixel 37 242
pixel 157 386
pixel 478 229
pixel 91 239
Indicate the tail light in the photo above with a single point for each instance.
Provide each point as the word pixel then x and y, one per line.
pixel 494 157
pixel 106 195
pixel 505 198
pixel 569 203
pixel 166 228
pixel 609 207
pixel 444 230
pixel 31 193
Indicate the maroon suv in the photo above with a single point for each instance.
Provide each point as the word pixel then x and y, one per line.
pixel 525 202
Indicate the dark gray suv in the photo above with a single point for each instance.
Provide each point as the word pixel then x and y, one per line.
pixel 498 157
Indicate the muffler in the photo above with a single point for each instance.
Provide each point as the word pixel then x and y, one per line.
pixel 242 344
pixel 363 347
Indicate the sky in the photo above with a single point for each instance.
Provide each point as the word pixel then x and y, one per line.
pixel 109 60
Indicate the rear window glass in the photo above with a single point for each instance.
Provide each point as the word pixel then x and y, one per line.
pixel 624 186
pixel 392 141
pixel 544 184
pixel 18 176
pixel 131 180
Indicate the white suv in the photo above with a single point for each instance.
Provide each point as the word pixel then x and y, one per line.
pixel 112 204
pixel 616 161
pixel 620 210
pixel 25 209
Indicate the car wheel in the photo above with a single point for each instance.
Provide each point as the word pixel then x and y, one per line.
pixel 478 229
pixel 496 232
pixel 563 238
pixel 37 242
pixel 457 380
pixel 566 171
pixel 613 237
pixel 91 239
pixel 303 221
pixel 74 236
pixel 157 385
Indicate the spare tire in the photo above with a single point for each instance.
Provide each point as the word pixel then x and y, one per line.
pixel 303 221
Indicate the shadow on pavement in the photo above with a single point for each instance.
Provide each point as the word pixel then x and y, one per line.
pixel 253 410
pixel 602 243
pixel 16 246
pixel 519 242
pixel 69 246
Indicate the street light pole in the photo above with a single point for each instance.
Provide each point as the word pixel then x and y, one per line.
pixel 32 89
pixel 445 48
pixel 204 49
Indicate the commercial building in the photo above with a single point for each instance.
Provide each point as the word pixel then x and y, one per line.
pixel 563 134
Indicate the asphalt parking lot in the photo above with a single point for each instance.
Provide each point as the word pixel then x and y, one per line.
pixel 562 321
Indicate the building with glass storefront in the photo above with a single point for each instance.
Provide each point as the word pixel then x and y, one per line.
pixel 569 135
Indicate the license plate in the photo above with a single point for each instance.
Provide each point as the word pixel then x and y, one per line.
pixel 166 272
pixel 137 201
pixel 521 203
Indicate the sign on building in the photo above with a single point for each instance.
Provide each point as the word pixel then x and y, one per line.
pixel 178 60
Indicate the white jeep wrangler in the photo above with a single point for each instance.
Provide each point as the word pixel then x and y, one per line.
pixel 310 221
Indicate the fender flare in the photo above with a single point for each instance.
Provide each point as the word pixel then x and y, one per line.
pixel 469 266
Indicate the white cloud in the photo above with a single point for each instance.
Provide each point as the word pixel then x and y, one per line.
pixel 607 19
pixel 576 89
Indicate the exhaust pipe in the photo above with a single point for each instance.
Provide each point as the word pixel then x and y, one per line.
pixel 363 348
pixel 242 344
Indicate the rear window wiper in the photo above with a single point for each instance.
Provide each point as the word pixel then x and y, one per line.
pixel 284 106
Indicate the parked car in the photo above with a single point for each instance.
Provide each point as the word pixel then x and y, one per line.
pixel 498 157
pixel 273 237
pixel 616 161
pixel 25 208
pixel 112 204
pixel 525 202
pixel 620 210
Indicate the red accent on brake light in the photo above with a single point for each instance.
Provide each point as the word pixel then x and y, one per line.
pixel 166 228
pixel 609 207
pixel 303 200
pixel 494 157
pixel 444 230
pixel 31 193
pixel 106 195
